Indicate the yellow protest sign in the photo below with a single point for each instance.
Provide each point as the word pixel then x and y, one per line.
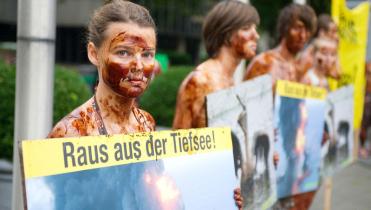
pixel 353 27
pixel 64 155
pixel 297 90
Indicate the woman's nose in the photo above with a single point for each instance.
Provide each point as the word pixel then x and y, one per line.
pixel 138 64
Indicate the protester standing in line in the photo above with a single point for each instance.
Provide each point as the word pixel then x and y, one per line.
pixel 365 135
pixel 324 60
pixel 327 29
pixel 122 45
pixel 296 24
pixel 229 34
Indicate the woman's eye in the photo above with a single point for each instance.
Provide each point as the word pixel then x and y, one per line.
pixel 247 28
pixel 123 53
pixel 147 55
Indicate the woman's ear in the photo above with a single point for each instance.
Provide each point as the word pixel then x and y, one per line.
pixel 92 53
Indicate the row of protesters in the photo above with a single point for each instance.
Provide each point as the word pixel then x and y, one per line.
pixel 296 25
pixel 122 45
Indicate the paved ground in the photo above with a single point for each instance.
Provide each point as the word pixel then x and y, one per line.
pixel 351 189
pixel 5 185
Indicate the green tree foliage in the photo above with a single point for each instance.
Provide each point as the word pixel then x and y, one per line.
pixel 70 90
pixel 320 6
pixel 268 11
pixel 160 97
pixel 7 97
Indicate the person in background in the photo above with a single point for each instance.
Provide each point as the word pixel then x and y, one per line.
pixel 296 25
pixel 324 60
pixel 229 34
pixel 327 29
pixel 365 147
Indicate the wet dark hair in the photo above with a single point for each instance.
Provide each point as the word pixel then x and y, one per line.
pixel 223 20
pixel 343 128
pixel 237 155
pixel 324 21
pixel 262 142
pixel 116 11
pixel 293 12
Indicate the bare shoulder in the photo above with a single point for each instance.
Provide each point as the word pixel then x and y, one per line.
pixel 195 78
pixel 148 119
pixel 260 65
pixel 195 83
pixel 80 122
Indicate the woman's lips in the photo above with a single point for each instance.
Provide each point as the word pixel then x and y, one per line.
pixel 253 47
pixel 134 81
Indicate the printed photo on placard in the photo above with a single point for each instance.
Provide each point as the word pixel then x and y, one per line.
pixel 337 143
pixel 190 169
pixel 250 116
pixel 299 122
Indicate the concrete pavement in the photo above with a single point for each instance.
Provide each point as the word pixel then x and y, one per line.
pixel 351 189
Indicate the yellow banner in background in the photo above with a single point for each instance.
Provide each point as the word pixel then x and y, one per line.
pixel 64 155
pixel 297 90
pixel 353 28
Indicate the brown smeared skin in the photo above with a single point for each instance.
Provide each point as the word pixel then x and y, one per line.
pixel 212 75
pixel 75 124
pixel 280 62
pixel 119 114
pixel 190 108
pixel 274 63
pixel 117 69
pixel 131 40
pixel 244 43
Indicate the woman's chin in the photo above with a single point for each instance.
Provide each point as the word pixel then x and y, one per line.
pixel 249 55
pixel 132 92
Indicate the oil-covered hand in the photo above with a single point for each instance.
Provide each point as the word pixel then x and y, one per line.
pixel 276 158
pixel 238 198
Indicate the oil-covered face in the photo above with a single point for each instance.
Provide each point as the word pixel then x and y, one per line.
pixel 126 58
pixel 296 37
pixel 325 55
pixel 333 32
pixel 244 41
pixel 330 33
